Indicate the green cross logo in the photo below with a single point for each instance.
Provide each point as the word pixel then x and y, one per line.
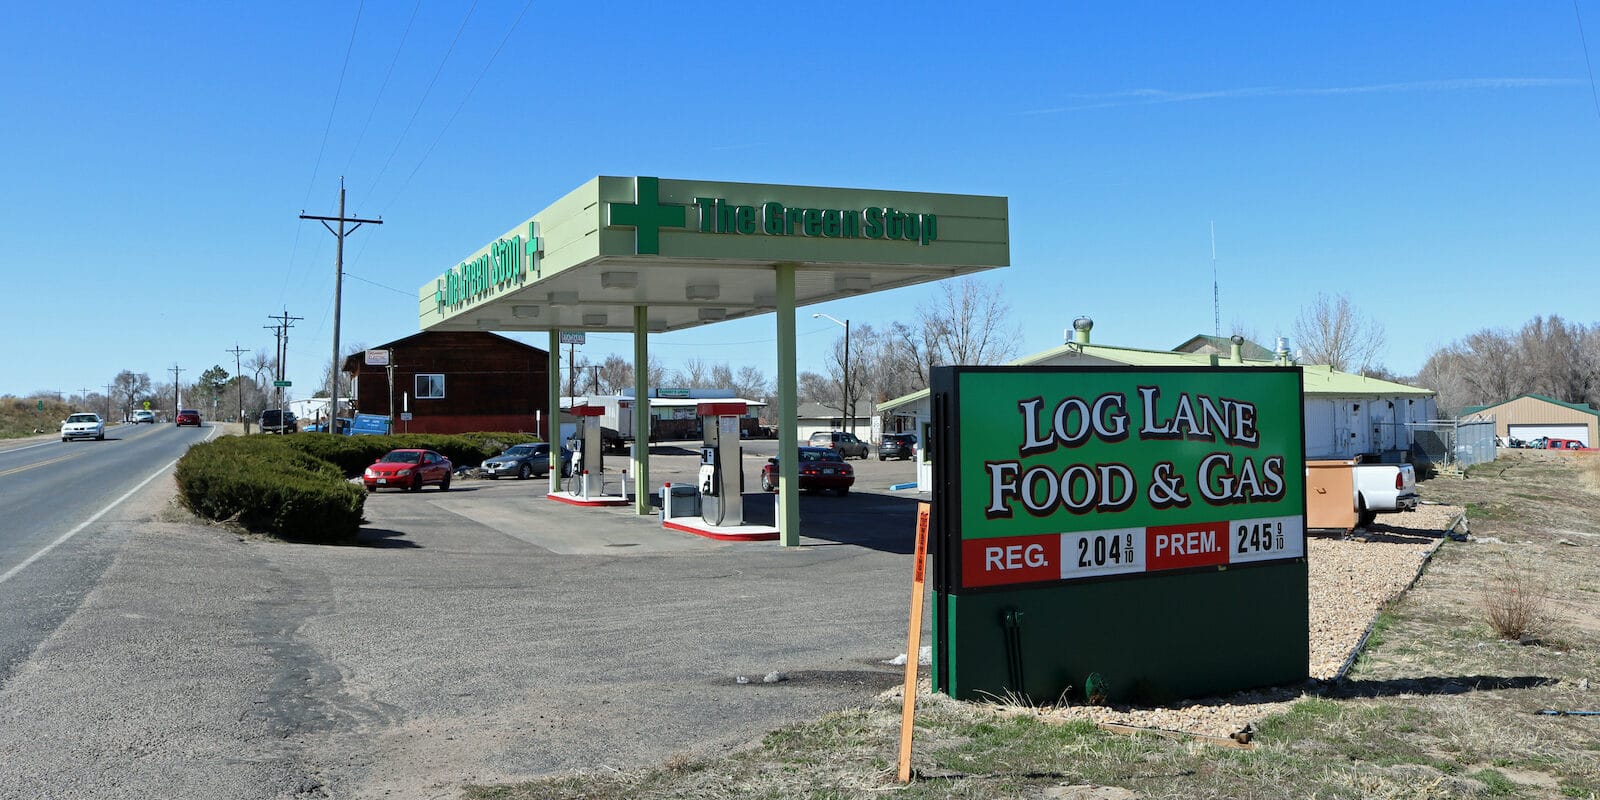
pixel 646 215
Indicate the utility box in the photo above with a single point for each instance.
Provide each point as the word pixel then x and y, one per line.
pixel 682 500
pixel 1331 494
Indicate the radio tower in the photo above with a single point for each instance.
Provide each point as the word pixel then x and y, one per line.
pixel 1216 301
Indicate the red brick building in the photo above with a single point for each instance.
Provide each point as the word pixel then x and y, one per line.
pixel 456 382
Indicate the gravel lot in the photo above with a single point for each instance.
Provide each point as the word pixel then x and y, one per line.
pixel 1350 581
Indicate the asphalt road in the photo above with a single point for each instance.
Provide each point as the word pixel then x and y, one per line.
pixel 58 529
pixel 483 634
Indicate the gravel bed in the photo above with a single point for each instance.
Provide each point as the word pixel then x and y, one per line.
pixel 1350 581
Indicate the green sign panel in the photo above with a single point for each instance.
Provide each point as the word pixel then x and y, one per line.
pixel 1122 505
pixel 282 384
pixel 648 215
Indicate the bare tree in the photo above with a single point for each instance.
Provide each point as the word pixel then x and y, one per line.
pixel 752 384
pixel 1333 332
pixel 345 385
pixel 615 374
pixel 695 374
pixel 130 388
pixel 965 322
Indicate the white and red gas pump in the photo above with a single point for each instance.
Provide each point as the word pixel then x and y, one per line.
pixel 721 480
pixel 587 459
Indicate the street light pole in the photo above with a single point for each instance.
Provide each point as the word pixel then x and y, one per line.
pixel 849 408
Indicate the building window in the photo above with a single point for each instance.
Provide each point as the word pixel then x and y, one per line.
pixel 430 387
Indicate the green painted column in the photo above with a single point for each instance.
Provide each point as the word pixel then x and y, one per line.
pixel 641 409
pixel 788 512
pixel 555 410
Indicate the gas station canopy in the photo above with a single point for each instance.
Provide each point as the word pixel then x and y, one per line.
pixel 696 252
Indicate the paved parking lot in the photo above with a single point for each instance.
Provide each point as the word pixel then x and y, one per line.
pixel 501 634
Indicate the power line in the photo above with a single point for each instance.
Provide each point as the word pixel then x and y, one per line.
pixel 321 148
pixel 425 92
pixel 1585 40
pixel 361 137
pixel 463 104
pixel 338 90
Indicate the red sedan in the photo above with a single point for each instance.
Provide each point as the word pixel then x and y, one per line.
pixel 820 468
pixel 188 416
pixel 408 469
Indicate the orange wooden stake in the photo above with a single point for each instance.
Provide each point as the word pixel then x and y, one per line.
pixel 908 706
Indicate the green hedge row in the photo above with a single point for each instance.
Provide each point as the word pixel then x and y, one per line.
pixel 295 487
pixel 352 454
pixel 271 488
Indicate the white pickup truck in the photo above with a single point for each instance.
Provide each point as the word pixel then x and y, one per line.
pixel 1383 489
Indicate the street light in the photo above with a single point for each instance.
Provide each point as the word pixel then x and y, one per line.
pixel 849 409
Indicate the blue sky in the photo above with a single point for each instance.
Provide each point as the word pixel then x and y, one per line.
pixel 1438 162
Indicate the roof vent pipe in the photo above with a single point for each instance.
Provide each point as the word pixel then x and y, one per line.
pixel 1080 330
pixel 1238 348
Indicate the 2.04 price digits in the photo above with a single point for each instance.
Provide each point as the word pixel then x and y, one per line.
pixel 1262 537
pixel 1100 551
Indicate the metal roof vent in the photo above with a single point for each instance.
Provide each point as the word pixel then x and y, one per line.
pixel 1080 330
pixel 1238 348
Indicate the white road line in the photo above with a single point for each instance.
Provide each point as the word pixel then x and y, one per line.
pixel 90 521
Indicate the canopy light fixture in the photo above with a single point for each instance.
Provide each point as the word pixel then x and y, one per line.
pixel 488 324
pixel 852 283
pixel 619 280
pixel 563 298
pixel 524 311
pixel 701 291
pixel 713 314
pixel 596 319
pixel 766 300
pixel 657 325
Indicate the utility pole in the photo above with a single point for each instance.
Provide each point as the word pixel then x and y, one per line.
pixel 109 387
pixel 285 322
pixel 175 399
pixel 238 385
pixel 572 373
pixel 594 379
pixel 338 289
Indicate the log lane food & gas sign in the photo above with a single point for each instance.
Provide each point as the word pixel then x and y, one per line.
pixel 1053 478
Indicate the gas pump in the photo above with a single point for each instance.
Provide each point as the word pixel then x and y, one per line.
pixel 721 478
pixel 587 460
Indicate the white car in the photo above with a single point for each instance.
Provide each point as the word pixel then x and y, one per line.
pixel 148 417
pixel 83 426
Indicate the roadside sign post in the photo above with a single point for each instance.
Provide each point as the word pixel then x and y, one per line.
pixel 908 704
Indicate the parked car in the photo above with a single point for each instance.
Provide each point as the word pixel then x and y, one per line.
pixel 525 461
pixel 142 416
pixel 408 469
pixel 897 445
pixel 83 425
pixel 277 420
pixel 844 442
pixel 188 416
pixel 820 468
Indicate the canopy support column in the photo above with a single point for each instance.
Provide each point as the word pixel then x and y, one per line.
pixel 641 409
pixel 788 512
pixel 555 410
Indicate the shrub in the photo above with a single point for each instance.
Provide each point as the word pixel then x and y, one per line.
pixel 1516 605
pixel 271 488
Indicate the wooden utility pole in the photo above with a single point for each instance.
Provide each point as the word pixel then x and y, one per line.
pixel 338 289
pixel 285 322
pixel 238 385
pixel 175 399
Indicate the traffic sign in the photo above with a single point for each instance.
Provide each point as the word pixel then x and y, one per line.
pixel 282 384
pixel 147 405
pixel 41 405
pixel 405 416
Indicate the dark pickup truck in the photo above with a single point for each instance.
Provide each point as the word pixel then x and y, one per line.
pixel 276 420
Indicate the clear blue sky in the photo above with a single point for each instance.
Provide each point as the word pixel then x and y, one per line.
pixel 1439 162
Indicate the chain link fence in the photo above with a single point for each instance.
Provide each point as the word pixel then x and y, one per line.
pixel 1453 444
